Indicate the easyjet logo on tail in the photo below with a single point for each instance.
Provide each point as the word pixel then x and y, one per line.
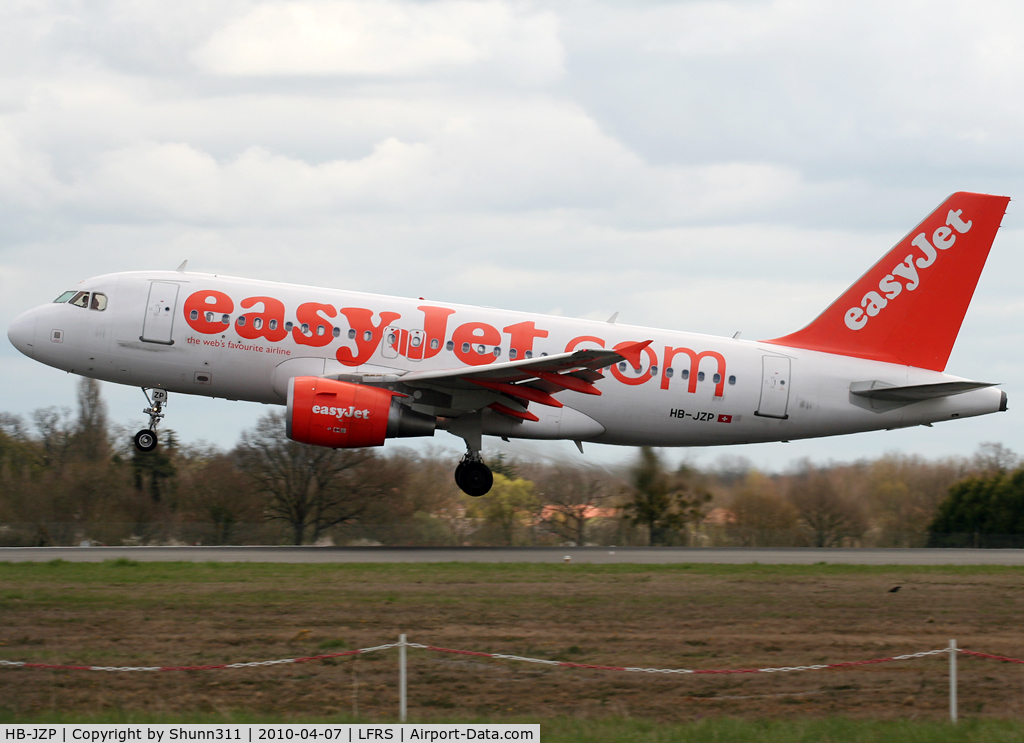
pixel 890 287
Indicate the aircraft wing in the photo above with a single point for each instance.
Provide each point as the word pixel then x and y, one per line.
pixel 587 361
pixel 510 386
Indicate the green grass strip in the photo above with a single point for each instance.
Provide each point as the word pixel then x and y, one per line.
pixel 616 730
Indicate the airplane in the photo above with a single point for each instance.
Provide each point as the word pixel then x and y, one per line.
pixel 354 369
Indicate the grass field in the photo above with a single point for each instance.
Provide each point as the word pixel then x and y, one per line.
pixel 691 616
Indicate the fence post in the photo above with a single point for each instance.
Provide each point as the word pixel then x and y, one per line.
pixel 952 680
pixel 401 678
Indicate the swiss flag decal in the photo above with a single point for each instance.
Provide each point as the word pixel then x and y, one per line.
pixel 725 419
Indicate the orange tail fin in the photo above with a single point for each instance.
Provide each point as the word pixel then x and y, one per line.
pixel 908 308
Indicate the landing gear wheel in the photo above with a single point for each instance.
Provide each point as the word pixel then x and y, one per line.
pixel 474 478
pixel 145 440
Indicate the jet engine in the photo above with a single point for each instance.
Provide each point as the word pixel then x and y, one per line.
pixel 343 415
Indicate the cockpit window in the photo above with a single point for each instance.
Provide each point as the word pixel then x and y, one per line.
pixel 82 299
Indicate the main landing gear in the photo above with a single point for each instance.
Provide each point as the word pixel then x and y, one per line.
pixel 145 440
pixel 472 475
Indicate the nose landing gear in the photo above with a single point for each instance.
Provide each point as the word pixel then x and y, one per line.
pixel 146 439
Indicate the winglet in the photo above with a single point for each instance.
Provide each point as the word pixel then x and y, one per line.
pixel 181 268
pixel 631 352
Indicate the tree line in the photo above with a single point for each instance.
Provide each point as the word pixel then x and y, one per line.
pixel 69 478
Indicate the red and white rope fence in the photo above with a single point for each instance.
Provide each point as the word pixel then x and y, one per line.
pixel 402 644
pixel 681 671
pixel 217 667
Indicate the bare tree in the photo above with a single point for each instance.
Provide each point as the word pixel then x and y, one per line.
pixel 993 458
pixel 827 515
pixel 571 497
pixel 55 433
pixel 760 517
pixel 214 492
pixel 902 494
pixel 310 487
pixel 91 439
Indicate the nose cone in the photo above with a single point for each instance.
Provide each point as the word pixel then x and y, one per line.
pixel 22 333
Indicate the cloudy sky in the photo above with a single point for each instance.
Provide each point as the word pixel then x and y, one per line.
pixel 706 166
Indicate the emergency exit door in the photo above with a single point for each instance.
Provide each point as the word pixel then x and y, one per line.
pixel 774 387
pixel 163 298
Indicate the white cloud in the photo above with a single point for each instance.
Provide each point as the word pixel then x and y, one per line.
pixel 385 38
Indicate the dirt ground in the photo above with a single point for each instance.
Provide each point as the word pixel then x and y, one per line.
pixel 646 616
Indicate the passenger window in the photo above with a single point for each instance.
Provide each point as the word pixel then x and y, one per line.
pixel 321 330
pixel 684 374
pixel 241 320
pixel 669 372
pixel 225 319
pixel 465 348
pixel 391 338
pixel 717 378
pixel 288 326
pixel 435 344
pixel 700 376
pixel 81 299
pixel 193 315
pixel 304 328
pixel 449 346
pixel 272 324
pixel 480 349
pixel 622 366
pixel 654 371
pixel 64 297
pixel 99 302
pixel 209 317
pixel 512 353
pixel 337 332
pixel 529 354
pixel 497 351
pixel 351 333
pixel 415 341
pixel 367 336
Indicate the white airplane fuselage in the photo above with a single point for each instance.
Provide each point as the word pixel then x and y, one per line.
pixel 180 332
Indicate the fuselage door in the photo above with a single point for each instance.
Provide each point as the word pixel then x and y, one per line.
pixel 416 341
pixel 774 387
pixel 163 299
pixel 392 339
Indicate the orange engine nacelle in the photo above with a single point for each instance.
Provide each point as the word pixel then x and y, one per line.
pixel 339 415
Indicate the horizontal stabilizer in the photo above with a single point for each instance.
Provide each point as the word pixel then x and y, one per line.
pixel 876 390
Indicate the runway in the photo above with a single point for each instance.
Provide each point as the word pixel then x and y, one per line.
pixel 585 555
